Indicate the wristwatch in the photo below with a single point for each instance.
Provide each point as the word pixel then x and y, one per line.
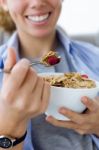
pixel 8 142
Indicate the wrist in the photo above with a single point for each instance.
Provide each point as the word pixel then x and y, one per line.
pixel 15 130
pixel 9 142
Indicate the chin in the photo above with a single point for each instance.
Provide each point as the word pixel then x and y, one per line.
pixel 40 34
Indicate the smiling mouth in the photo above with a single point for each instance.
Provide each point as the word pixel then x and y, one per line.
pixel 39 18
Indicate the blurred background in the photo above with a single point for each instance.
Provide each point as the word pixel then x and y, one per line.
pixel 80 20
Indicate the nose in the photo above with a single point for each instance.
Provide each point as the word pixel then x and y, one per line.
pixel 38 3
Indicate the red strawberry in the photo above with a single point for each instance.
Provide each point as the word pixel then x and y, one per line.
pixel 84 76
pixel 52 60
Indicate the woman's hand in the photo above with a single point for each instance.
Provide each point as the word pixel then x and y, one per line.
pixel 23 95
pixel 85 123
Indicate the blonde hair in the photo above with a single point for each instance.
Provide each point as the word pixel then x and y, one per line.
pixel 6 22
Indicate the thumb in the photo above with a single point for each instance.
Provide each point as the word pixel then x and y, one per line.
pixel 11 59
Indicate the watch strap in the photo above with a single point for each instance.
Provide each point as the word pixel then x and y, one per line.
pixel 19 140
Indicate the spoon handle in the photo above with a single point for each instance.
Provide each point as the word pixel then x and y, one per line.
pixel 2 70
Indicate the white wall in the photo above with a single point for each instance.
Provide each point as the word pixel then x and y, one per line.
pixel 80 16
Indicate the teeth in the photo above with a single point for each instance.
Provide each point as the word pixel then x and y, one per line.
pixel 38 18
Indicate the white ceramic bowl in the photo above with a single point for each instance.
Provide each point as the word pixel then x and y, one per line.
pixel 67 97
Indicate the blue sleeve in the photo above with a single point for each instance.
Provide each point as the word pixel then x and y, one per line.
pixel 86 57
pixel 28 140
pixel 95 140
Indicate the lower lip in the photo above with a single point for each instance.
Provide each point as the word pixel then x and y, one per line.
pixel 42 23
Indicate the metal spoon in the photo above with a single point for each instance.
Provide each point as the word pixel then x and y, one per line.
pixel 52 61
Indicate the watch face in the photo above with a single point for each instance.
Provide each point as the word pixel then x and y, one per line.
pixel 5 142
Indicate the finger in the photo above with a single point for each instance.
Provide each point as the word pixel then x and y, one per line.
pixel 37 91
pixel 74 116
pixel 36 97
pixel 30 81
pixel 64 124
pixel 90 104
pixel 82 132
pixel 18 74
pixel 45 97
pixel 97 98
pixel 10 61
pixel 69 125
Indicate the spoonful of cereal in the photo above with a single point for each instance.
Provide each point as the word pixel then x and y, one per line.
pixel 50 59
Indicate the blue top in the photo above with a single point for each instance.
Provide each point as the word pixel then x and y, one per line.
pixel 80 56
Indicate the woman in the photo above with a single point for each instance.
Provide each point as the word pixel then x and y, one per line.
pixel 25 96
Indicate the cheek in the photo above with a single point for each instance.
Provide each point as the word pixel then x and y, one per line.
pixel 56 3
pixel 16 7
pixel 58 7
